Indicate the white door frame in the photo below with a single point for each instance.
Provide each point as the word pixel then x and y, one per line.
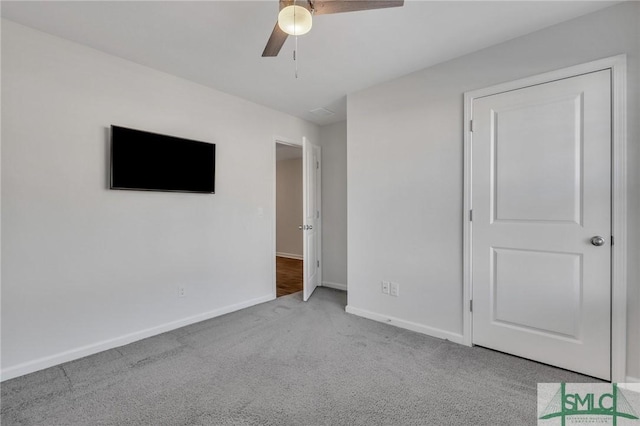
pixel 274 211
pixel 618 67
pixel 297 144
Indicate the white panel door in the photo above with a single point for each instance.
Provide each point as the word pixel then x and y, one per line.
pixel 311 227
pixel 541 191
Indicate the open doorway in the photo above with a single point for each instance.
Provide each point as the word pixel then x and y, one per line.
pixel 289 219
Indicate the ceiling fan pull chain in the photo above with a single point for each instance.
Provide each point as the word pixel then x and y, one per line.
pixel 295 59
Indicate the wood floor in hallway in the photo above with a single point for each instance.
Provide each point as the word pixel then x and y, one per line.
pixel 288 276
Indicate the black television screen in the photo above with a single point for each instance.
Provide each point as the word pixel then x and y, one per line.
pixel 152 162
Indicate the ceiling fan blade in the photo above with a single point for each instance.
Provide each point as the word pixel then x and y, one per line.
pixel 325 7
pixel 277 39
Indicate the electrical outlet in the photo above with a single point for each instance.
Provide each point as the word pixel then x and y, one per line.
pixel 182 291
pixel 385 287
pixel 394 289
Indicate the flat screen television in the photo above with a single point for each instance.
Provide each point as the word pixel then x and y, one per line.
pixel 151 162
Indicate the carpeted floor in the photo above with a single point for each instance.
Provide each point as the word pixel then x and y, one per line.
pixel 284 362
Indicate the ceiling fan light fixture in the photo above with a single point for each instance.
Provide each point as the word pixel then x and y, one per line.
pixel 295 20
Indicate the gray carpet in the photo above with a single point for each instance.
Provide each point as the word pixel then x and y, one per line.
pixel 285 362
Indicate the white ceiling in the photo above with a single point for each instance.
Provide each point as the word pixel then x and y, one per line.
pixel 219 43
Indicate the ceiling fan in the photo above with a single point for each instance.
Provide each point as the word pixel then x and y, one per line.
pixel 295 17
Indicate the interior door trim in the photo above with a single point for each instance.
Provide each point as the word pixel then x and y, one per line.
pixel 618 66
pixel 275 141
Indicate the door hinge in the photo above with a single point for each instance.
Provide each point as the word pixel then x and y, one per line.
pixel 317 214
pixel 470 215
pixel 612 240
pixel 471 125
pixel 470 305
pixel 318 263
pixel 317 164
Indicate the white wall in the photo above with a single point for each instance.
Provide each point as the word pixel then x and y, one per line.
pixel 405 168
pixel 333 139
pixel 289 207
pixel 85 268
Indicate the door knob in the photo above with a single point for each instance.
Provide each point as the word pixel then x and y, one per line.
pixel 300 227
pixel 597 241
pixel 309 226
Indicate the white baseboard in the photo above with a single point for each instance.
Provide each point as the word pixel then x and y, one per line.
pixel 413 326
pixel 337 286
pixel 290 255
pixel 76 353
pixel 630 379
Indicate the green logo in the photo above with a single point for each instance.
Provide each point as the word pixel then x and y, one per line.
pixel 613 404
